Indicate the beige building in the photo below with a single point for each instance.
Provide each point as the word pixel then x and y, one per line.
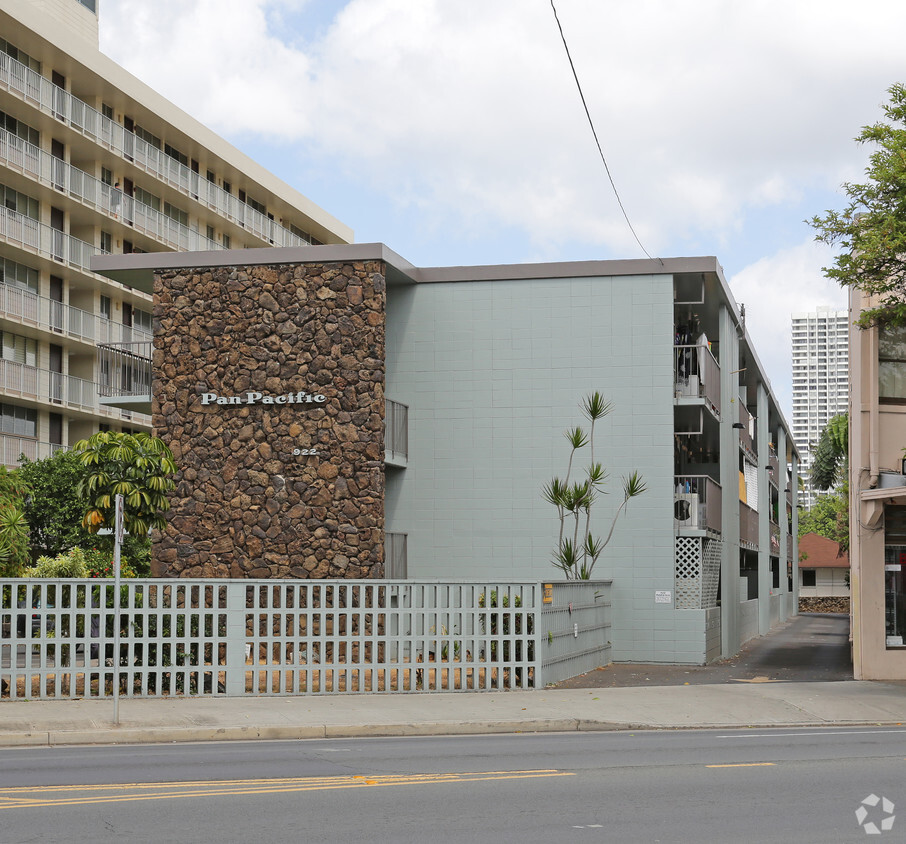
pixel 877 438
pixel 823 568
pixel 92 161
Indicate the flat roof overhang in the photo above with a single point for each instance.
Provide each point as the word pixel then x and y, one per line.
pixel 137 270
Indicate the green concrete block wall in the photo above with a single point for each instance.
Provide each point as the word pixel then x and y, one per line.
pixel 493 373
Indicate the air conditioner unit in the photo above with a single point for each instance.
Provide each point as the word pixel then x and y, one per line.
pixel 685 509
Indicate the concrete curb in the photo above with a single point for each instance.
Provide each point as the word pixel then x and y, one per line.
pixel 169 735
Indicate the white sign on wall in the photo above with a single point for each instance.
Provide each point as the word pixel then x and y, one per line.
pixel 663 596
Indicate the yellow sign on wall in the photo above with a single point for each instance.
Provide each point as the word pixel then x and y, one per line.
pixel 548 594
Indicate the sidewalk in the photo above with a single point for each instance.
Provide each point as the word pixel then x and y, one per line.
pixel 549 710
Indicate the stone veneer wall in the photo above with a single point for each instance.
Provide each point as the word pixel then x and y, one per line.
pixel 245 505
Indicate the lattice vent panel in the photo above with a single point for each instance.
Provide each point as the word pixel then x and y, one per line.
pixel 688 579
pixel 711 554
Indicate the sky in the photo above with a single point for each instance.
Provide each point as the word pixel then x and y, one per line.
pixel 453 131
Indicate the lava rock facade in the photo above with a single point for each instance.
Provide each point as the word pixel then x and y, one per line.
pixel 281 475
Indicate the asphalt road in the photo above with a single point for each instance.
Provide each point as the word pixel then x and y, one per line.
pixel 687 786
pixel 811 647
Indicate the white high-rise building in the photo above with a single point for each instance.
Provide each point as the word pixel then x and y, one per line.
pixel 820 380
pixel 94 161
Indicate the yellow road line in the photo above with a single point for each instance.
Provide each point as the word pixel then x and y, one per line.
pixel 119 793
pixel 743 765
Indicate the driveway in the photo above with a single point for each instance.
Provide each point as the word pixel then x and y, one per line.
pixel 810 648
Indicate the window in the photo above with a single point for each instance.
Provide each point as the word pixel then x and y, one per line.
pixel 19 56
pixel 226 241
pixel 18 275
pixel 106 242
pixel 91 5
pixel 809 577
pixel 18 349
pixel 141 319
pixel 19 421
pixel 107 111
pixel 175 153
pixel 299 233
pixel 147 137
pixel 106 176
pixel 892 364
pixel 209 232
pixel 258 206
pixel 20 202
pixel 176 214
pixel 18 128
pixel 105 307
pixel 146 198
pixel 895 576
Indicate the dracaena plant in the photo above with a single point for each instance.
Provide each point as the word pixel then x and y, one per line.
pixel 578 549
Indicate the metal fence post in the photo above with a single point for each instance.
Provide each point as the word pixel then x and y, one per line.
pixel 235 638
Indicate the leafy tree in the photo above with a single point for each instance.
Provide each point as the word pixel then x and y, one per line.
pixel 871 229
pixel 136 466
pixel 830 459
pixel 55 508
pixel 829 517
pixel 577 548
pixel 13 526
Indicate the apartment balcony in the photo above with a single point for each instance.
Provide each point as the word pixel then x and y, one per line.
pixel 696 505
pixel 396 434
pixel 55 389
pixel 27 308
pixel 696 376
pixel 747 433
pixel 125 373
pixel 748 527
pixel 33 162
pixel 775 539
pixel 13 449
pixel 773 467
pixel 45 241
pixel 89 122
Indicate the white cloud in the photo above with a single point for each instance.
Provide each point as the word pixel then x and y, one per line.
pixel 467 110
pixel 774 288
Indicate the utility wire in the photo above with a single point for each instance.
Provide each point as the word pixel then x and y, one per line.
pixel 594 132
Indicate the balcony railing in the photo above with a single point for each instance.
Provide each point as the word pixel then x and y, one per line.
pixel 748 526
pixel 125 369
pixel 774 464
pixel 46 241
pixel 775 540
pixel 31 309
pixel 696 503
pixel 747 432
pixel 697 374
pixel 396 431
pixel 13 449
pixel 63 106
pixel 395 556
pixel 92 192
pixel 25 381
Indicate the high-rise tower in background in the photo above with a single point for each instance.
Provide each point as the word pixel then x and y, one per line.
pixel 820 380
pixel 93 161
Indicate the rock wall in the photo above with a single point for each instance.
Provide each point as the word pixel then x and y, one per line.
pixel 269 388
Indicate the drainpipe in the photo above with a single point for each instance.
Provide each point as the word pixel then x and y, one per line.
pixel 874 432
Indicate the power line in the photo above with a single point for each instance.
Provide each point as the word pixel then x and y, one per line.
pixel 594 132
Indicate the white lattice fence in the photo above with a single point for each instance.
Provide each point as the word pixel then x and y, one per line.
pixel 697 572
